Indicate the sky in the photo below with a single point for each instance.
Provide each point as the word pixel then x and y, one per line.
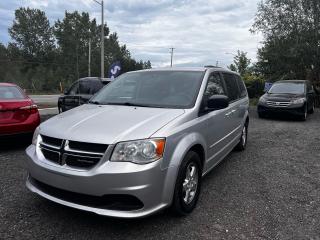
pixel 203 32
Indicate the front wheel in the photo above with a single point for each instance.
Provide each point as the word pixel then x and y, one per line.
pixel 312 109
pixel 261 115
pixel 188 185
pixel 305 114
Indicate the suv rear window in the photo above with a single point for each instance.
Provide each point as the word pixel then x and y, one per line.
pixel 232 86
pixel 10 92
pixel 90 87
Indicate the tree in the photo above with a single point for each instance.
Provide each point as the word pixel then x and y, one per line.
pixel 41 56
pixel 32 34
pixel 3 60
pixel 241 63
pixel 73 33
pixel 292 39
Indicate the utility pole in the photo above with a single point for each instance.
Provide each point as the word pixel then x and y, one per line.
pixel 89 60
pixel 102 37
pixel 172 55
pixel 102 40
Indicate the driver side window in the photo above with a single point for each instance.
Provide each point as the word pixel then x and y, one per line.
pixel 215 86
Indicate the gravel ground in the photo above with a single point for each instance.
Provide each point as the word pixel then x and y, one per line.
pixel 270 191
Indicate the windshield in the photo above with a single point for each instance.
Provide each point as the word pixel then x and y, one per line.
pixel 289 88
pixel 163 89
pixel 10 92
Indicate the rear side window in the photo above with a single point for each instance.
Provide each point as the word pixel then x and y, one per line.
pixel 10 92
pixel 95 87
pixel 74 89
pixel 242 87
pixel 90 87
pixel 232 87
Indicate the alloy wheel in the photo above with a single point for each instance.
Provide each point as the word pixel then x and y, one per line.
pixel 244 135
pixel 190 183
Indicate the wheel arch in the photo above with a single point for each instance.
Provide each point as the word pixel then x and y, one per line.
pixel 190 142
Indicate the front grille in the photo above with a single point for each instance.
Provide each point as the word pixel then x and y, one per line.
pixel 110 202
pixel 82 161
pixel 89 147
pixel 51 141
pixel 278 104
pixel 72 153
pixel 53 156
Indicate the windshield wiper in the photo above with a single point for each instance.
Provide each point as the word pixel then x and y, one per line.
pixel 128 104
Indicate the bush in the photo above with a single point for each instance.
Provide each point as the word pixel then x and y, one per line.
pixel 255 85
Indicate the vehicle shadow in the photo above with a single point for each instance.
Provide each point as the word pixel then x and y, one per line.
pixel 16 142
pixel 278 116
pixel 283 117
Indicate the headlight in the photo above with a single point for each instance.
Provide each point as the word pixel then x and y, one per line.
pixel 140 151
pixel 298 101
pixel 262 99
pixel 35 136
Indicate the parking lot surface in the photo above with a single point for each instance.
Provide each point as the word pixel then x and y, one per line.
pixel 269 191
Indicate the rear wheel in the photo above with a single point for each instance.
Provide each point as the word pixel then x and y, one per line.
pixel 188 185
pixel 244 138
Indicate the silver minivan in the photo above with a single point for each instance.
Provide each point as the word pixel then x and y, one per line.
pixel 142 143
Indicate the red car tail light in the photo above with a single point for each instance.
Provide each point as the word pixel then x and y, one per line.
pixel 32 108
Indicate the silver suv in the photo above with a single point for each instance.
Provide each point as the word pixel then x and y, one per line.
pixel 142 143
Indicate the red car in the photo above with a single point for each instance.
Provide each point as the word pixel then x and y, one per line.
pixel 18 113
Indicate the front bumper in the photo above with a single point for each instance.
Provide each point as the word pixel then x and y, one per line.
pixel 292 110
pixel 148 183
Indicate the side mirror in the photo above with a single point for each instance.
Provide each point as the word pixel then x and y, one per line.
pixel 217 102
pixel 65 92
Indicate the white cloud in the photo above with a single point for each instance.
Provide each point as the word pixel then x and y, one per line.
pixel 202 31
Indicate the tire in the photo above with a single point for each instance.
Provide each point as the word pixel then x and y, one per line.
pixel 311 111
pixel 261 115
pixel 243 139
pixel 305 115
pixel 183 205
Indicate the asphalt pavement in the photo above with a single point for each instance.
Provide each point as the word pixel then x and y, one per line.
pixel 269 191
pixel 47 103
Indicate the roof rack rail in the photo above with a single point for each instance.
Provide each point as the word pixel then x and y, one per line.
pixel 211 66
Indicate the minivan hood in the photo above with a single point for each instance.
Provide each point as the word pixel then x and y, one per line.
pixel 282 96
pixel 108 124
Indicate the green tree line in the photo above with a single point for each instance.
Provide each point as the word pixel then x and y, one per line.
pixel 291 45
pixel 41 55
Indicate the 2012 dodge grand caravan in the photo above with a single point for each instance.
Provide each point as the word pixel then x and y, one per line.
pixel 141 144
